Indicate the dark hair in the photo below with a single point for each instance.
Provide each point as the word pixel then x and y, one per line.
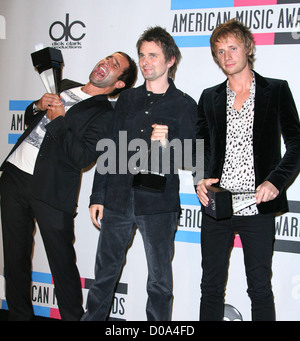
pixel 128 76
pixel 240 32
pixel 162 38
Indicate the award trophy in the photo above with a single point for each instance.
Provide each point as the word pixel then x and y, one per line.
pixel 150 178
pixel 48 63
pixel 223 203
pixel 220 203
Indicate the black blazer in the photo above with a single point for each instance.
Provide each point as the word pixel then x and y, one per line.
pixel 68 146
pixel 275 114
pixel 175 109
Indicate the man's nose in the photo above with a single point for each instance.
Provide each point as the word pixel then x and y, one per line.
pixel 227 55
pixel 145 60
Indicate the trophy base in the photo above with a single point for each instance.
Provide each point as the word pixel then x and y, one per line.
pixel 149 182
pixel 220 203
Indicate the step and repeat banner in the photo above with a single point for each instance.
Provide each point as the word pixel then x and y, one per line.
pixel 86 31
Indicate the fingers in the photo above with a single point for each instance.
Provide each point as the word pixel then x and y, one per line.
pixel 96 213
pixel 55 111
pixel 48 101
pixel 202 189
pixel 93 214
pixel 266 192
pixel 160 132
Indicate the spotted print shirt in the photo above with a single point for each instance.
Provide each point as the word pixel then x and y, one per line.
pixel 238 171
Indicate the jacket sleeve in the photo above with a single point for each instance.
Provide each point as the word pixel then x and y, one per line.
pixel 188 124
pixel 288 166
pixel 203 131
pixel 101 180
pixel 98 189
pixel 81 150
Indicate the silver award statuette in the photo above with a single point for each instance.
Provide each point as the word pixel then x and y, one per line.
pixel 224 203
pixel 241 200
pixel 48 63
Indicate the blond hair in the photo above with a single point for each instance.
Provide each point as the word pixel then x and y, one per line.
pixel 240 32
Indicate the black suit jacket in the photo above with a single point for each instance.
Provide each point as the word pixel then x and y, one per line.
pixel 275 115
pixel 175 109
pixel 68 146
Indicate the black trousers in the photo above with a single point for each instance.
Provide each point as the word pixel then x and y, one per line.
pixel 257 235
pixel 18 211
pixel 158 231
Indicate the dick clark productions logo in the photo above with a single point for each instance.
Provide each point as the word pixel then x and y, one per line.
pixel 67 34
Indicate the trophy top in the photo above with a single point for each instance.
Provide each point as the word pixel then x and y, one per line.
pixel 48 63
pixel 46 57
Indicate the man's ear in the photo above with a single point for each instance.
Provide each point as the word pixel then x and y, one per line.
pixel 119 84
pixel 251 50
pixel 171 62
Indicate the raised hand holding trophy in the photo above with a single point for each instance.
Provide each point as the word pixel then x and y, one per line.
pixel 48 63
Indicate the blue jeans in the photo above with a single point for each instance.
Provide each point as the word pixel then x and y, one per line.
pixel 158 231
pixel 257 236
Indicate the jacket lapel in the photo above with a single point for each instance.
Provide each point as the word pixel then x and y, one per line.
pixel 219 104
pixel 262 100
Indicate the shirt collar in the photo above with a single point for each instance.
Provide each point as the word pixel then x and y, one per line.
pixel 170 88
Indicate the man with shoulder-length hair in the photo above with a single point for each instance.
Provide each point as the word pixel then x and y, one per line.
pixel 241 121
pixel 151 112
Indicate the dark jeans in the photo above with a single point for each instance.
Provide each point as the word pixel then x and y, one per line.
pixel 116 233
pixel 18 210
pixel 257 236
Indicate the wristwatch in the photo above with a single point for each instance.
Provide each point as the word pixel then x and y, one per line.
pixel 34 108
